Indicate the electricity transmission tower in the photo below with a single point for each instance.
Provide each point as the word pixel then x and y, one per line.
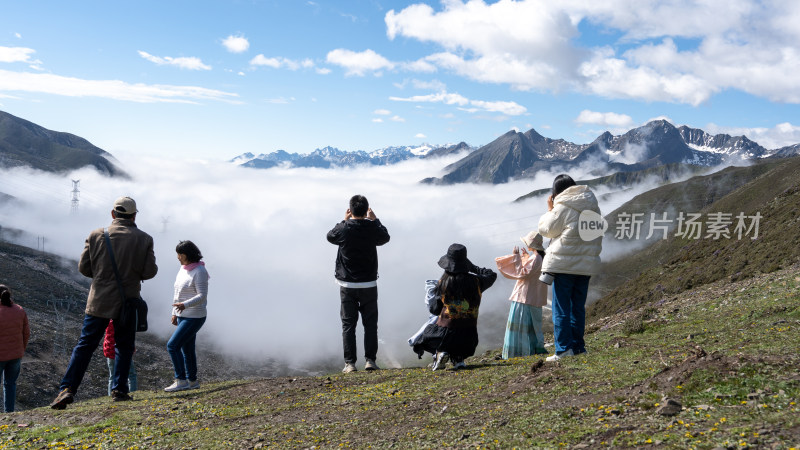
pixel 75 194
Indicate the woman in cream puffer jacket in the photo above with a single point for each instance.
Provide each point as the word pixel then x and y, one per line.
pixel 571 260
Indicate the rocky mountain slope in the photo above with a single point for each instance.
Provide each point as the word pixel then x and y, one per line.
pixel 23 143
pixel 658 143
pixel 624 180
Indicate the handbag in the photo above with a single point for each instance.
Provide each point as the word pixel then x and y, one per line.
pixel 133 314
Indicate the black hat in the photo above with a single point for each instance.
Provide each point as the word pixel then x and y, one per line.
pixel 455 260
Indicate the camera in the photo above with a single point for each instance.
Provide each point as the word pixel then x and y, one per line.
pixel 546 278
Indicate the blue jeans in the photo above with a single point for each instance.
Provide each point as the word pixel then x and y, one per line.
pixel 132 380
pixel 569 311
pixel 94 328
pixel 9 371
pixel 181 348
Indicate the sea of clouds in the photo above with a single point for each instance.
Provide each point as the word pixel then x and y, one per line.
pixel 262 233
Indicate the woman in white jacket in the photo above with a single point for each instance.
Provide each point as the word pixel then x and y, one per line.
pixel 571 260
pixel 188 314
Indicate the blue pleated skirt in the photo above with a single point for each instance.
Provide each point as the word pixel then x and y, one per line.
pixel 524 335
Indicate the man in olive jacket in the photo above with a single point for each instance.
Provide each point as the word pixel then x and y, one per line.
pixel 136 261
pixel 357 236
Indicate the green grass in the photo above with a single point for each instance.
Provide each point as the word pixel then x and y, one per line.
pixel 727 352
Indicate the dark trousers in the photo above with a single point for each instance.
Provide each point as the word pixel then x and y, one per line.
pixel 355 301
pixel 94 328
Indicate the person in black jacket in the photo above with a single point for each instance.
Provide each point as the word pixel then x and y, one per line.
pixel 357 236
pixel 454 335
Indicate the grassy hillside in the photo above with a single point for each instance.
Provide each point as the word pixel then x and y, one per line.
pixel 690 196
pixel 725 352
pixel 23 143
pixel 679 264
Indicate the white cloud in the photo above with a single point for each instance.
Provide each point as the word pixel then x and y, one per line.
pixel 236 44
pixel 359 63
pixel 605 119
pixel 508 108
pixel 397 119
pixel 190 63
pixel 420 136
pixel 17 35
pixel 781 135
pixel 382 112
pixel 280 100
pixel 111 89
pixel 420 65
pixel 534 45
pixel 282 63
pixel 441 97
pixel 429 85
pixel 17 54
pixel 323 70
pixel 433 85
pixel 377 120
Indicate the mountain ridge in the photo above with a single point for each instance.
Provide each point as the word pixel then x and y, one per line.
pixel 330 157
pixel 517 155
pixel 24 143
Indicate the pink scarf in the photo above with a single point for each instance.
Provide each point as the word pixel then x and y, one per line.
pixel 190 267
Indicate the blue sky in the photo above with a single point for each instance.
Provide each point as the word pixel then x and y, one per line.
pixel 214 79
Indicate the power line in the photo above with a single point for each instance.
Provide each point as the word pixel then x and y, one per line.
pixel 75 194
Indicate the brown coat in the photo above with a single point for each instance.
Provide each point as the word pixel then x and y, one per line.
pixel 14 332
pixel 133 251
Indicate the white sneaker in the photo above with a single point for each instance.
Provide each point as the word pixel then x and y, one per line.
pixel 441 361
pixel 558 357
pixel 370 365
pixel 460 365
pixel 194 384
pixel 178 385
pixel 349 367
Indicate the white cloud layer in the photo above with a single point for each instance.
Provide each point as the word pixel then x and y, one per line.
pixel 236 44
pixel 262 233
pixel 111 89
pixel 16 54
pixel 507 108
pixel 184 62
pixel 282 63
pixel 605 119
pixel 359 63
pixel 535 45
pixel 268 256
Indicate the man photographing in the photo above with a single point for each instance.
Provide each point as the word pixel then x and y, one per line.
pixel 358 236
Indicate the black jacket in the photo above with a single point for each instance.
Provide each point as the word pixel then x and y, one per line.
pixel 357 258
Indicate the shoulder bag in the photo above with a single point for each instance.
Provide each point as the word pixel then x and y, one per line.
pixel 134 310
